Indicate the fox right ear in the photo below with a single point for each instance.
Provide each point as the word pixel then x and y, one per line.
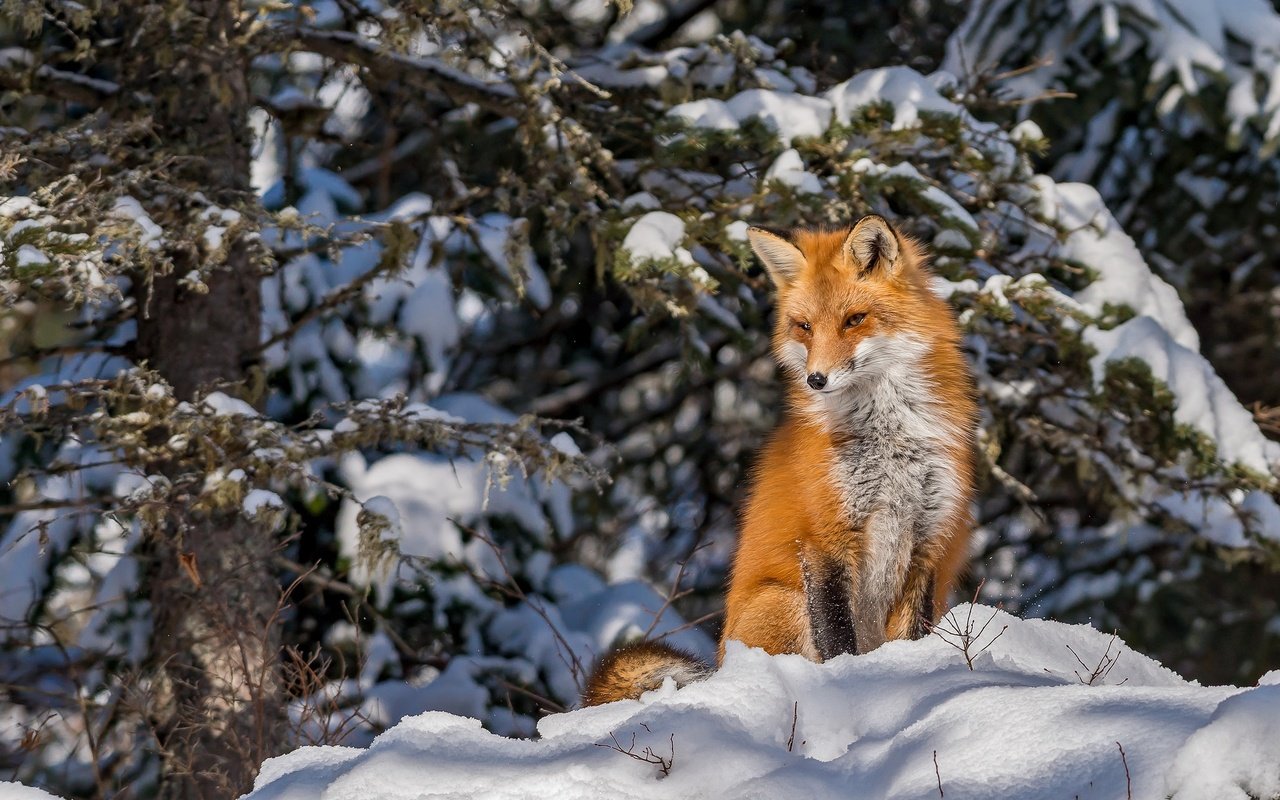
pixel 873 245
pixel 782 259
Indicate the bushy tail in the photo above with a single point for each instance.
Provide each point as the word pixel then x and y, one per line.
pixel 633 669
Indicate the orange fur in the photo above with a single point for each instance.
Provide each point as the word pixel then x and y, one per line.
pixel 632 670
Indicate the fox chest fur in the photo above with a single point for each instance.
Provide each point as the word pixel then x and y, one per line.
pixel 895 480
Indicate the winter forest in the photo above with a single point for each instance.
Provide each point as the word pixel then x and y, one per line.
pixel 368 369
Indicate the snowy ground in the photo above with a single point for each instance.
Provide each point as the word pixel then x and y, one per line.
pixel 1030 720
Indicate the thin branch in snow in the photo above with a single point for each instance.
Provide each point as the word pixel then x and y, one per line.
pixel 647 755
pixel 1128 779
pixel 966 638
pixel 1102 668
pixel 795 716
pixel 938 773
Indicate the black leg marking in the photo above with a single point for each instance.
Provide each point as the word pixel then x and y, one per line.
pixel 924 620
pixel 828 591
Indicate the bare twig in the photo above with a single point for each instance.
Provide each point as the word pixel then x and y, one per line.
pixel 938 773
pixel 1128 779
pixel 1099 670
pixel 551 705
pixel 693 623
pixel 513 590
pixel 647 755
pixel 965 637
pixel 675 592
pixel 313 575
pixel 795 715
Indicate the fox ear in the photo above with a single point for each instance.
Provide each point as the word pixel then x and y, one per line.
pixel 782 260
pixel 873 245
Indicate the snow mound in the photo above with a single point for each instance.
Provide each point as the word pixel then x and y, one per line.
pixel 1027 721
pixel 1235 755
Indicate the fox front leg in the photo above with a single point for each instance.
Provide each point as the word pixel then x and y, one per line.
pixel 828 590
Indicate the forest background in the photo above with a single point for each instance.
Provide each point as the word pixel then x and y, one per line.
pixel 364 358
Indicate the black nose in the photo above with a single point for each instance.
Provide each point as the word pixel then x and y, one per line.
pixel 817 380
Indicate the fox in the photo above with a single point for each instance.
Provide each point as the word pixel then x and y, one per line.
pixel 857 521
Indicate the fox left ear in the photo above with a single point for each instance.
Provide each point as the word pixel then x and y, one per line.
pixel 782 260
pixel 872 245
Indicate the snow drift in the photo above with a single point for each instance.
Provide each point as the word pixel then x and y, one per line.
pixel 1036 709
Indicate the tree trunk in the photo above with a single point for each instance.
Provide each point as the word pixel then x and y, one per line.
pixel 216 702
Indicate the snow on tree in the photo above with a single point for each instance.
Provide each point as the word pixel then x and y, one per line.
pixel 403 350
pixel 1174 116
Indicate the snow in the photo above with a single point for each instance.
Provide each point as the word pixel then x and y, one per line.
pixel 225 405
pixel 128 208
pixel 1191 44
pixel 790 115
pixel 430 493
pixel 34 538
pixel 16 791
pixel 943 203
pixel 706 113
pixel 788 169
pixel 624 611
pixel 657 236
pixel 493 234
pixel 909 92
pixel 565 444
pixel 1204 400
pixel 428 315
pixel 736 231
pixel 1235 756
pixel 1160 334
pixel 260 499
pixel 30 256
pixel 1024 723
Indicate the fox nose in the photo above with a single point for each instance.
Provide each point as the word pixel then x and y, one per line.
pixel 817 380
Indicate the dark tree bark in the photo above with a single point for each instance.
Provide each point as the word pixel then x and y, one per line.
pixel 217 703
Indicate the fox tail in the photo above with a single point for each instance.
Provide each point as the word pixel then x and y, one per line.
pixel 633 669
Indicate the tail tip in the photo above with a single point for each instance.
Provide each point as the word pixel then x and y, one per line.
pixel 633 669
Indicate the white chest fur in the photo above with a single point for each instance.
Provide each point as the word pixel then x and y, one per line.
pixel 897 483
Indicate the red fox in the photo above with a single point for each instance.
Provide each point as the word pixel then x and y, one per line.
pixel 857 522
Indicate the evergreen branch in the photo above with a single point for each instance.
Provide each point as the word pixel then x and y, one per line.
pixel 64 85
pixel 420 72
pixel 654 33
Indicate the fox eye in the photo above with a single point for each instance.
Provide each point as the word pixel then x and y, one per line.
pixel 804 326
pixel 854 320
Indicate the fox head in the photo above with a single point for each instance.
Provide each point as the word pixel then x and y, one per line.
pixel 852 304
